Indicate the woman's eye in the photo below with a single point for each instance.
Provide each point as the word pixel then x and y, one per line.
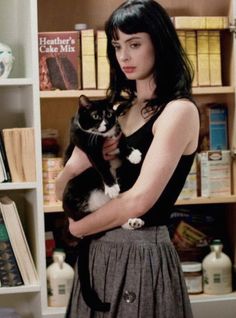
pixel 134 45
pixel 116 47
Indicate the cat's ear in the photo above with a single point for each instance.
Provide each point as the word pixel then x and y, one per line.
pixel 84 101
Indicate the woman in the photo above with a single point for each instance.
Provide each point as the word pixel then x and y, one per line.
pixel 138 272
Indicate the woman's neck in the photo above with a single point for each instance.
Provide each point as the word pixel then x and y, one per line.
pixel 145 89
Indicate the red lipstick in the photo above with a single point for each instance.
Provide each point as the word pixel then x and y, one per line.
pixel 129 69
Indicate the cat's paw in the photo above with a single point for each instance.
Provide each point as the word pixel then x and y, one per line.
pixel 112 191
pixel 132 224
pixel 135 156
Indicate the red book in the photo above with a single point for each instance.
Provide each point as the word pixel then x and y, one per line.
pixel 58 60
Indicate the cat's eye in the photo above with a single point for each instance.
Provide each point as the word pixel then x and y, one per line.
pixel 109 115
pixel 95 116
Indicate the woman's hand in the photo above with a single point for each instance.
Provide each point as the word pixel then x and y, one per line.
pixel 110 148
pixel 73 228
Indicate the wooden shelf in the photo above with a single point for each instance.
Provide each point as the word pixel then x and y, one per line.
pixel 206 298
pixel 17 185
pixel 198 200
pixel 52 208
pixel 19 289
pixel 16 82
pixel 101 93
pixel 93 93
pixel 210 200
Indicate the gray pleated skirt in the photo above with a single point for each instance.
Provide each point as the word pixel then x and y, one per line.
pixel 138 272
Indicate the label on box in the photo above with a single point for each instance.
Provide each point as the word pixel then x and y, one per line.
pixel 215 172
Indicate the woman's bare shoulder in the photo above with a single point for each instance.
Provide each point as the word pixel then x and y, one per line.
pixel 179 109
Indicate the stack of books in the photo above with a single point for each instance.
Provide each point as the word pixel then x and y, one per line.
pixel 16 263
pixel 17 155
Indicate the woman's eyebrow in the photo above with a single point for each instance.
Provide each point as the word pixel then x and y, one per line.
pixel 128 40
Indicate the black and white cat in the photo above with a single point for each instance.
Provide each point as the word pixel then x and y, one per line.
pixel 92 124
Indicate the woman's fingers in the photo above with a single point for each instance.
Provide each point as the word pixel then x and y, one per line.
pixel 110 148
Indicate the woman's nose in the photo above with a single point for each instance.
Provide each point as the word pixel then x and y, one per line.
pixel 124 56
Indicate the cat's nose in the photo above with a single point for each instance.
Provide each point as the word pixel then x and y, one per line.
pixel 102 127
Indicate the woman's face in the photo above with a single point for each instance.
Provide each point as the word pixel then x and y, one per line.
pixel 135 55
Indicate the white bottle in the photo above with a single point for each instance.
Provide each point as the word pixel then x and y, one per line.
pixel 217 271
pixel 59 279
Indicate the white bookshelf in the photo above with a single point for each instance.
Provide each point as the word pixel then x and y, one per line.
pixel 20 107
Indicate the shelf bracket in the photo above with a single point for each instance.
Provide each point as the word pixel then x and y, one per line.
pixel 232 27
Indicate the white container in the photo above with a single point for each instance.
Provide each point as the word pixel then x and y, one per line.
pixel 217 271
pixel 59 279
pixel 193 276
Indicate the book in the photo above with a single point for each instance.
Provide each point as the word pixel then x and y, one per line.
pixel 214 127
pixel 9 270
pixel 214 58
pixel 5 175
pixel 103 66
pixel 201 22
pixel 88 59
pixel 182 38
pixel 191 51
pixel 18 241
pixel 218 126
pixel 203 58
pixel 20 151
pixel 58 60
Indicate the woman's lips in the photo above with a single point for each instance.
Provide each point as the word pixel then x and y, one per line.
pixel 129 69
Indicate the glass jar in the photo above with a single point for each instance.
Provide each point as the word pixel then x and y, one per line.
pixel 193 276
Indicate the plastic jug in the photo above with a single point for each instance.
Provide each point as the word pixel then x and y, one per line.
pixel 59 280
pixel 217 271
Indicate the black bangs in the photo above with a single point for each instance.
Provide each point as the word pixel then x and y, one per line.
pixel 127 21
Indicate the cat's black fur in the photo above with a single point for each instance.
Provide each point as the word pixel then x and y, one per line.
pixel 89 134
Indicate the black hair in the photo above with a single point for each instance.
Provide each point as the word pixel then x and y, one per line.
pixel 172 70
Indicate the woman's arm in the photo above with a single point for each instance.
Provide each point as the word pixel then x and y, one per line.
pixel 175 134
pixel 77 163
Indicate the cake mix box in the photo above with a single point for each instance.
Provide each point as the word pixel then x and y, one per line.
pixel 59 64
pixel 215 173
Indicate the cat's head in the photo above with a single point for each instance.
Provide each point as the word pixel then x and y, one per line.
pixel 95 116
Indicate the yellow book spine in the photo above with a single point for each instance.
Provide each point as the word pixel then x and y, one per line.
pixel 88 59
pixel 187 22
pixel 217 23
pixel 191 51
pixel 215 58
pixel 182 38
pixel 203 58
pixel 201 23
pixel 103 66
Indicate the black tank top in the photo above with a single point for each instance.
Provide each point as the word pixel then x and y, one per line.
pixel 160 212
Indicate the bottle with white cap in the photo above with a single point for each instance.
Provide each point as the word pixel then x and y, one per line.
pixel 217 271
pixel 59 279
